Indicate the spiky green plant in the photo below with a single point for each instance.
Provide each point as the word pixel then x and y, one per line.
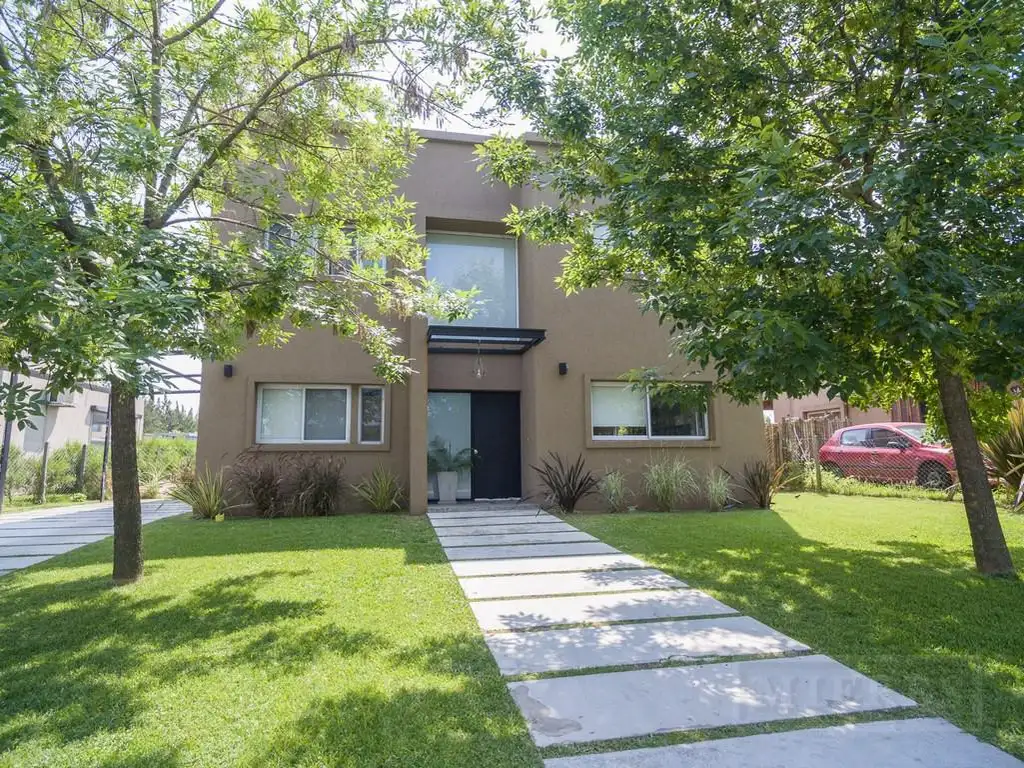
pixel 717 489
pixel 381 490
pixel 1005 450
pixel 669 483
pixel 615 491
pixel 565 484
pixel 204 493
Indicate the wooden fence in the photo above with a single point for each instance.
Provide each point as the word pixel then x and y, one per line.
pixel 799 439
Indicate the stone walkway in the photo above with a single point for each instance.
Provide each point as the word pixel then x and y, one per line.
pixel 597 645
pixel 27 538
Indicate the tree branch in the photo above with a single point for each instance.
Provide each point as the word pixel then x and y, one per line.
pixel 195 25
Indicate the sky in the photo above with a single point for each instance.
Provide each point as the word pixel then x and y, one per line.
pixel 547 39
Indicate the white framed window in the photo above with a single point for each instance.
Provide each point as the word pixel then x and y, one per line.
pixel 311 413
pixel 622 412
pixel 371 415
pixel 489 264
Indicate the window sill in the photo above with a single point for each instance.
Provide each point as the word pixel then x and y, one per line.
pixel 321 447
pixel 655 443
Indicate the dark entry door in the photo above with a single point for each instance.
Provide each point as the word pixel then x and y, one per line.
pixel 497 466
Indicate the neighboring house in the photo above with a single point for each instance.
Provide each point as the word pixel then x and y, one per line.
pixel 70 417
pixel 820 405
pixel 533 372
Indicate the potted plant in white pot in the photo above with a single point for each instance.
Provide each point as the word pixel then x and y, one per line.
pixel 446 465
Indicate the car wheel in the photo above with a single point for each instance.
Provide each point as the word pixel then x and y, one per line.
pixel 933 476
pixel 832 468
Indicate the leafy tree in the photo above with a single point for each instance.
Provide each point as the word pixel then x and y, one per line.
pixel 811 194
pixel 177 173
pixel 161 416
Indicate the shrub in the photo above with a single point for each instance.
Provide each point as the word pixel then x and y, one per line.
pixel 381 490
pixel 151 482
pixel 318 488
pixel 717 489
pixel 614 491
pixel 669 483
pixel 263 483
pixel 565 484
pixel 1005 452
pixel 204 494
pixel 761 482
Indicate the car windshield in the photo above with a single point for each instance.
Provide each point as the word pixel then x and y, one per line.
pixel 916 431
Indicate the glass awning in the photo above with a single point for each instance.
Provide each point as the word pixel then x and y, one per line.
pixel 471 340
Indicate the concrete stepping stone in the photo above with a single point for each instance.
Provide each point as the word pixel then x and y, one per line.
pixel 76 538
pixel 20 550
pixel 498 530
pixel 13 563
pixel 442 523
pixel 11 532
pixel 530 550
pixel 4 573
pixel 556 650
pixel 917 743
pixel 532 613
pixel 547 565
pixel 568 710
pixel 484 513
pixel 482 540
pixel 490 587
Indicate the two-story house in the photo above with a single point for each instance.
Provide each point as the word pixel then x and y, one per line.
pixel 532 372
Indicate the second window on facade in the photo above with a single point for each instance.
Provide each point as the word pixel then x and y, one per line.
pixel 318 413
pixel 621 412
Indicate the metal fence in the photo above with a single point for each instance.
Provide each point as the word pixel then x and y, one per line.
pixel 71 472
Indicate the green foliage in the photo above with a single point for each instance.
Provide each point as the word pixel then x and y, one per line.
pixel 1005 452
pixel 717 489
pixel 317 487
pixel 614 490
pixel 565 484
pixel 263 482
pixel 440 457
pixel 204 494
pixel 761 482
pixel 381 490
pixel 669 483
pixel 161 416
pixel 143 172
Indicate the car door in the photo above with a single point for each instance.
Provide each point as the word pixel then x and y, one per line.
pixel 854 452
pixel 889 463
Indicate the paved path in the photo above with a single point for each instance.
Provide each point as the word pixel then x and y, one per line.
pixel 564 614
pixel 27 538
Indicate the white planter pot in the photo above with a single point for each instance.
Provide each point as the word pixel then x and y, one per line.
pixel 447 484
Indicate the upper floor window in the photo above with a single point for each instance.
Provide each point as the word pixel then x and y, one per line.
pixel 353 254
pixel 622 412
pixel 484 262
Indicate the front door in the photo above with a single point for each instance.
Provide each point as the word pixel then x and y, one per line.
pixel 497 466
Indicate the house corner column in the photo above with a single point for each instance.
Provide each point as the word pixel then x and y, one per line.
pixel 418 417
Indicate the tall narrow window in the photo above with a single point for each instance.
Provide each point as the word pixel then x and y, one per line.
pixel 371 415
pixel 482 262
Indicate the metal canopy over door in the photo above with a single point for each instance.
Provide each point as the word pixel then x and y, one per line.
pixel 497 464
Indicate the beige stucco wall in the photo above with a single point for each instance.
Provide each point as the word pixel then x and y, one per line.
pixel 600 334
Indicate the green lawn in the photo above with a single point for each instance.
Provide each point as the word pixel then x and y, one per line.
pixel 884 585
pixel 315 642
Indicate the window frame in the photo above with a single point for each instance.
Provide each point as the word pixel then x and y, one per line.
pixel 515 267
pixel 301 440
pixel 359 416
pixel 648 437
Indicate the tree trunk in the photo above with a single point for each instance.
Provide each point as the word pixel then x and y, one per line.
pixel 125 480
pixel 991 554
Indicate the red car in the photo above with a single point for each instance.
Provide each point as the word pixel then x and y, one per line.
pixel 888 453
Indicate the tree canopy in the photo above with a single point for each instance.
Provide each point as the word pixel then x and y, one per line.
pixel 811 194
